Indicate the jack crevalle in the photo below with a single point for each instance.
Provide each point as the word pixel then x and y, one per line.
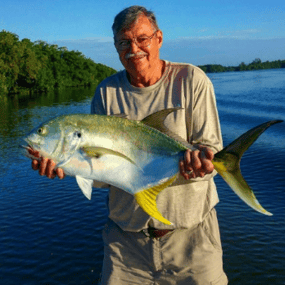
pixel 142 158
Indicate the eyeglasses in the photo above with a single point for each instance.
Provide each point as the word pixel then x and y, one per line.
pixel 140 42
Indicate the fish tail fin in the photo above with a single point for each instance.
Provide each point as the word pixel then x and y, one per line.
pixel 147 200
pixel 227 164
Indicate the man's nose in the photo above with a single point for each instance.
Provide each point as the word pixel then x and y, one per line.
pixel 133 47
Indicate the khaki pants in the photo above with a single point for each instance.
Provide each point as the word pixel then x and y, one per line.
pixel 183 256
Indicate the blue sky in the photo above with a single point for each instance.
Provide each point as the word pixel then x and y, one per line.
pixel 197 32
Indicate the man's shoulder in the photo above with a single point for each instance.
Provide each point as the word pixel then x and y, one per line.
pixel 112 80
pixel 188 69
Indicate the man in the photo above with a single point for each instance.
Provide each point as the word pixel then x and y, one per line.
pixel 139 249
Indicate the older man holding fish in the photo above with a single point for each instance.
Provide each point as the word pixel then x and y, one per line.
pixel 138 248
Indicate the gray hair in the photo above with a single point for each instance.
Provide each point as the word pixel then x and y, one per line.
pixel 129 15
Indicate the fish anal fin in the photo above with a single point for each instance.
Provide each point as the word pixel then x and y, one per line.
pixel 147 200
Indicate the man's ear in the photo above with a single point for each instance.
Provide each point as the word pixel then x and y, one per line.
pixel 159 36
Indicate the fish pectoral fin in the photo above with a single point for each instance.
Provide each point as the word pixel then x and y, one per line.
pixel 147 200
pixel 238 184
pixel 97 152
pixel 85 185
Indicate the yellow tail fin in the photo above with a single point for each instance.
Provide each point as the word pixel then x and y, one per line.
pixel 227 164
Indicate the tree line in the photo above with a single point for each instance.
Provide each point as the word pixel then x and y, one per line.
pixel 37 66
pixel 41 67
pixel 255 65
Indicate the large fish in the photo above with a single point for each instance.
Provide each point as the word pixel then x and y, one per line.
pixel 140 157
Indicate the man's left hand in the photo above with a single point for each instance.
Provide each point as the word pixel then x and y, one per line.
pixel 197 163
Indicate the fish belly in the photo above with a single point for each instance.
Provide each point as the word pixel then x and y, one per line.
pixel 121 173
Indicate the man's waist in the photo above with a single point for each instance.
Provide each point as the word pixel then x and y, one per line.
pixel 156 233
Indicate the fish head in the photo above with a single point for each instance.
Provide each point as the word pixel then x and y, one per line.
pixel 45 139
pixel 57 139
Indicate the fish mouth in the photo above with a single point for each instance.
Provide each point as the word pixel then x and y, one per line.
pixel 29 148
pixel 32 145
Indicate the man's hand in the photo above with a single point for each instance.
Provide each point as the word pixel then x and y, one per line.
pixel 45 166
pixel 197 163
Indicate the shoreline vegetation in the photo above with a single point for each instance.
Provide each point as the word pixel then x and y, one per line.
pixel 257 64
pixel 37 67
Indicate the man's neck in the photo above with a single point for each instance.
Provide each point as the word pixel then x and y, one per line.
pixel 148 78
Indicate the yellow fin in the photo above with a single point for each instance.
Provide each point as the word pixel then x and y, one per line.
pixel 227 164
pixel 147 200
pixel 99 151
pixel 238 184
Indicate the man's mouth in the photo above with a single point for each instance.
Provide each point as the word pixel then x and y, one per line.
pixel 138 56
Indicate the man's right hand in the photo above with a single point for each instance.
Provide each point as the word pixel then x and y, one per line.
pixel 45 166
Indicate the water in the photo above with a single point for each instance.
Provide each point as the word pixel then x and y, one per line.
pixel 51 234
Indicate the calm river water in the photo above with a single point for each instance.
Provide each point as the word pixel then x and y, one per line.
pixel 51 234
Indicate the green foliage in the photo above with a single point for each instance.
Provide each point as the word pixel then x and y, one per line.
pixel 255 65
pixel 38 66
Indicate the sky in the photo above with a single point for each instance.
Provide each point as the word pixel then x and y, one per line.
pixel 198 32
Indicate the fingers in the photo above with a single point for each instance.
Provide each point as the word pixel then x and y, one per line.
pixel 207 164
pixel 50 172
pixel 197 163
pixel 207 151
pixel 46 167
pixel 33 152
pixel 60 173
pixel 35 164
pixel 183 172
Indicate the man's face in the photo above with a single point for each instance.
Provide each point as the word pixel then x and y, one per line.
pixel 146 57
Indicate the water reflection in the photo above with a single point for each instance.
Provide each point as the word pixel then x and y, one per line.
pixel 10 116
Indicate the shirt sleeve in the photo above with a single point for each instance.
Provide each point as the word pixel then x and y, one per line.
pixel 205 125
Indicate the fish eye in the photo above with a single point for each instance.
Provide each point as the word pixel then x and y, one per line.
pixel 77 134
pixel 42 131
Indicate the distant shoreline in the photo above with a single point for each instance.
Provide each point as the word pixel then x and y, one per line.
pixel 257 64
pixel 37 67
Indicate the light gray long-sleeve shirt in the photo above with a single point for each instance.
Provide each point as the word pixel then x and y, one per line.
pixel 185 203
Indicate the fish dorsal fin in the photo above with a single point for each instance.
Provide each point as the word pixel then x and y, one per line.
pixel 85 185
pixel 97 152
pixel 156 121
pixel 147 200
